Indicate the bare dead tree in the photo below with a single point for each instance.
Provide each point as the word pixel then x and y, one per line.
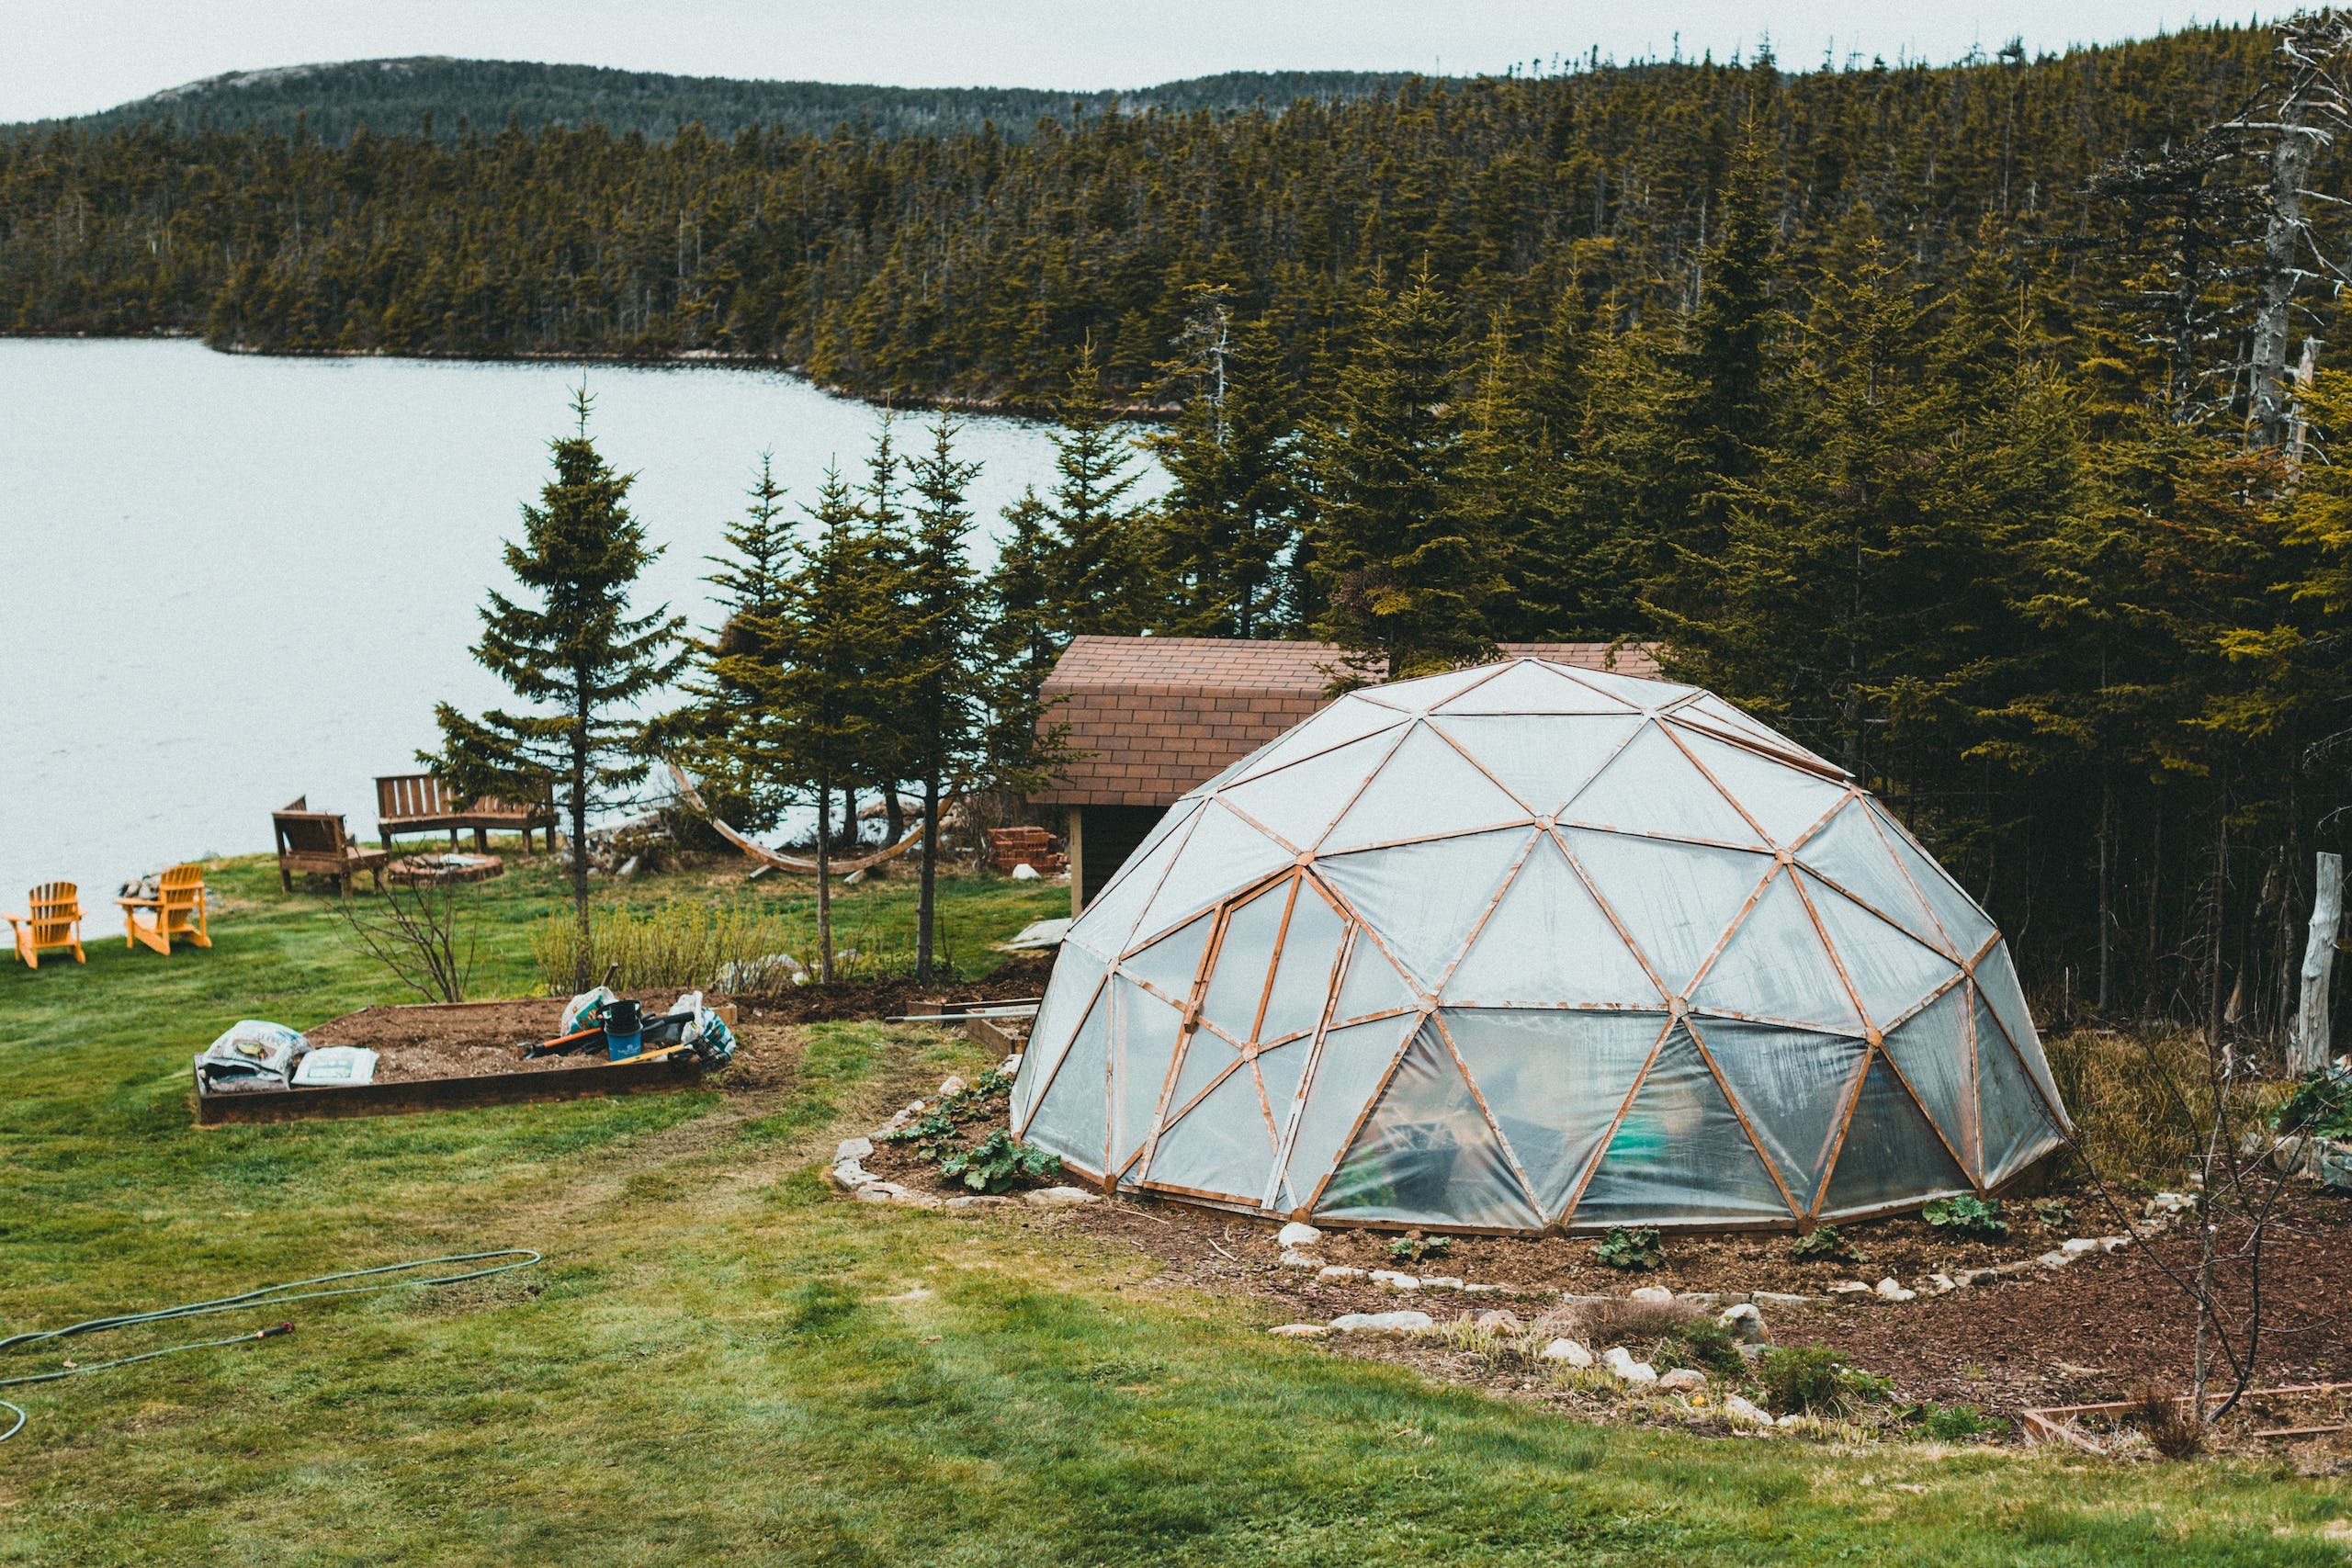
pixel 424 935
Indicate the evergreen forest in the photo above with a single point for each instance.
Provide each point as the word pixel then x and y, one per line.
pixel 1975 424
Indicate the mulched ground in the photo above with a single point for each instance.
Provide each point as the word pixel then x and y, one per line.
pixel 1022 975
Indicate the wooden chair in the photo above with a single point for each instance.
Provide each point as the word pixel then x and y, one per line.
pixel 55 922
pixel 177 910
pixel 318 842
pixel 419 803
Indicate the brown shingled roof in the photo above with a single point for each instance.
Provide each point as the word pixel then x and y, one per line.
pixel 1159 714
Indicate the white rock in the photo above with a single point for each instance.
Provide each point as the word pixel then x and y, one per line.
pixel 974 1204
pixel 950 1085
pixel 1296 1234
pixel 1624 1368
pixel 1566 1350
pixel 1025 872
pixel 1744 1321
pixel 1849 1287
pixel 1682 1380
pixel 1336 1272
pixel 1943 1283
pixel 908 1199
pixel 1653 1293
pixel 2078 1245
pixel 1300 1331
pixel 1381 1323
pixel 1391 1279
pixel 1010 1065
pixel 848 1176
pixel 1060 1198
pixel 2113 1243
pixel 881 1192
pixel 853 1149
pixel 1475 1289
pixel 1301 1261
pixel 2055 1259
pixel 1890 1288
pixel 1792 1419
pixel 1497 1321
pixel 1781 1299
pixel 1441 1282
pixel 1739 1410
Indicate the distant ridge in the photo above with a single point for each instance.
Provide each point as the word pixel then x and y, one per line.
pixel 395 96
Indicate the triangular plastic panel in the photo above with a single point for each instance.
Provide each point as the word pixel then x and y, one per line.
pixel 2017 1128
pixel 1067 995
pixel 1072 1120
pixel 1349 718
pixel 1639 692
pixel 1775 967
pixel 1932 1051
pixel 1348 1073
pixel 1651 787
pixel 1372 984
pixel 1996 976
pixel 1303 974
pixel 1300 802
pixel 1425 788
pixel 1676 899
pixel 1424 898
pixel 1891 1154
pixel 1542 759
pixel 1224 854
pixel 1530 687
pixel 1206 1056
pixel 1170 965
pixel 1968 927
pixel 1549 942
pixel 1850 852
pixel 1144 1033
pixel 1709 708
pixel 1107 924
pixel 1224 1146
pixel 1680 1156
pixel 1427 1155
pixel 1554 1081
pixel 1893 971
pixel 1237 979
pixel 1793 1084
pixel 1785 801
pixel 1425 692
pixel 1278 1074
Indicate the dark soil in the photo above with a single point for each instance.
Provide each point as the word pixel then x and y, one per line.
pixel 1022 976
pixel 476 1041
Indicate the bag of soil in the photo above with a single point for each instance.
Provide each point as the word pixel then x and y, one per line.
pixel 251 1057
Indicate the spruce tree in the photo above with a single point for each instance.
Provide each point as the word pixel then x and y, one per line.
pixel 577 656
pixel 1226 524
pixel 1097 569
pixel 751 582
pixel 1408 578
pixel 939 653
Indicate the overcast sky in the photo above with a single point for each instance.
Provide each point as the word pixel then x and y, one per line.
pixel 62 57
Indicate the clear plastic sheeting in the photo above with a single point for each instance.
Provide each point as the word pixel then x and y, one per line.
pixel 1549 942
pixel 1348 1070
pixel 1680 1156
pixel 1427 1154
pixel 1776 967
pixel 1676 899
pixel 1651 787
pixel 1542 759
pixel 1893 971
pixel 1793 1085
pixel 1891 1154
pixel 1554 1080
pixel 1419 1004
pixel 1424 898
pixel 1425 789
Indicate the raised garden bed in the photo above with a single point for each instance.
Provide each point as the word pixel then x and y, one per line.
pixel 444 1055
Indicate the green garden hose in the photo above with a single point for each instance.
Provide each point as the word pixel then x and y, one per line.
pixel 266 1296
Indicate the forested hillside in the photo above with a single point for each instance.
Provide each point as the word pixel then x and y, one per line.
pixel 1946 416
pixel 440 96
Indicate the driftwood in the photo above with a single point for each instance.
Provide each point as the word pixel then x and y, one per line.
pixel 798 866
pixel 2309 1050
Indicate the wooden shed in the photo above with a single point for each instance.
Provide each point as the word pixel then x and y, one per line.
pixel 1151 717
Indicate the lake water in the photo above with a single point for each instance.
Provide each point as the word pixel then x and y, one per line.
pixel 233 581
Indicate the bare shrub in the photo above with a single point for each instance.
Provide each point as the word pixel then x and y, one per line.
pixel 2168 1421
pixel 420 934
pixel 1619 1320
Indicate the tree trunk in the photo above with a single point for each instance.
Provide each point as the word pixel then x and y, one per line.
pixel 2106 899
pixel 924 895
pixel 583 959
pixel 2269 403
pixel 824 883
pixel 894 813
pixel 2311 1044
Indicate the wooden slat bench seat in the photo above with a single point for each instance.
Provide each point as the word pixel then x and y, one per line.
pixel 419 803
pixel 318 844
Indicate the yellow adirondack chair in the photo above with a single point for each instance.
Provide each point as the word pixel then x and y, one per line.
pixel 177 910
pixel 55 922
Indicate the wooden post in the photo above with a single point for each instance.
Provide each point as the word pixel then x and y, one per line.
pixel 2308 1052
pixel 1074 842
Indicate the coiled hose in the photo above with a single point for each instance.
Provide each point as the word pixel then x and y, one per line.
pixel 266 1296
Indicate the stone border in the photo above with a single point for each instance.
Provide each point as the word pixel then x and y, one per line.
pixel 852 1179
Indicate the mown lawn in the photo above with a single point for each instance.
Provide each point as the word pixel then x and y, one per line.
pixel 717 1362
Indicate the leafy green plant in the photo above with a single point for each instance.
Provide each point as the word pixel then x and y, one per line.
pixel 934 1128
pixel 1412 1246
pixel 2319 1106
pixel 1965 1215
pixel 1954 1422
pixel 1828 1244
pixel 1705 1343
pixel 999 1161
pixel 1802 1378
pixel 2052 1212
pixel 1631 1246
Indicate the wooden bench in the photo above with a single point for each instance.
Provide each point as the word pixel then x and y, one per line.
pixel 318 844
pixel 419 803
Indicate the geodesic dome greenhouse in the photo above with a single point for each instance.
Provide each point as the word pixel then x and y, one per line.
pixel 1529 946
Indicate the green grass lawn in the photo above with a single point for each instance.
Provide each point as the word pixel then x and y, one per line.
pixel 717 1362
